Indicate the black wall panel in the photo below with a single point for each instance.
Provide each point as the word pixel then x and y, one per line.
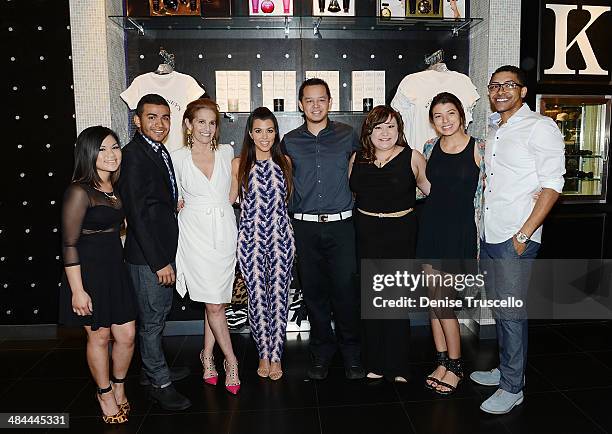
pixel 37 156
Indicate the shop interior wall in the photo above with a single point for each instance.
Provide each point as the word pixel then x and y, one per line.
pixel 201 53
pixel 37 156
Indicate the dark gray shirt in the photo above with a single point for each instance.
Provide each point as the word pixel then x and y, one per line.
pixel 320 168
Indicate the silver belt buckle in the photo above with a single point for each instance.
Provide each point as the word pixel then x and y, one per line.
pixel 323 218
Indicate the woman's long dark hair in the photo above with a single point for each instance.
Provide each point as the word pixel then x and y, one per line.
pixel 86 153
pixel 248 153
pixel 379 115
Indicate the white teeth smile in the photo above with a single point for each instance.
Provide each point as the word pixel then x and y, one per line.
pixel 501 99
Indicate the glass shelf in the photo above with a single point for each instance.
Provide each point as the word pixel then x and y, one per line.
pixel 292 26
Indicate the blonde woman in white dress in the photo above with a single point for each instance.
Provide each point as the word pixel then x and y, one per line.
pixel 206 254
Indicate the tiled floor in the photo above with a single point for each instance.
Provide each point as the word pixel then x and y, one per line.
pixel 568 390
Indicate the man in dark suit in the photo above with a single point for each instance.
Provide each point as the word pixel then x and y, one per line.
pixel 149 192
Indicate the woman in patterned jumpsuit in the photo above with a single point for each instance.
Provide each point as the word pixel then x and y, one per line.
pixel 266 247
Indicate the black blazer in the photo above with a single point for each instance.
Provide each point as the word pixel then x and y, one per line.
pixel 146 192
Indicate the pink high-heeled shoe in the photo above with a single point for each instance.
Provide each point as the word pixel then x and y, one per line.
pixel 232 375
pixel 208 363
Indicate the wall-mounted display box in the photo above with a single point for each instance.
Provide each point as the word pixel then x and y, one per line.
pixel 584 122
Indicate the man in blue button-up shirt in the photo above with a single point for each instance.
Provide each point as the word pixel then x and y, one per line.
pixel 322 207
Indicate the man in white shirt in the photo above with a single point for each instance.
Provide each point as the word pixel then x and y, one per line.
pixel 524 155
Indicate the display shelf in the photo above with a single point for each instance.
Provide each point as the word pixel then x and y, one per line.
pixel 292 26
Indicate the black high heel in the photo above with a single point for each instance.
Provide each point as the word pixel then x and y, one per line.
pixel 126 405
pixel 441 358
pixel 119 417
pixel 456 367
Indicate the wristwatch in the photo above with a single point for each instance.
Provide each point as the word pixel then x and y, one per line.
pixel 521 237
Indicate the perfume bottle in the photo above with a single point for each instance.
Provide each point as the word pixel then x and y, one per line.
pixel 286 4
pixel 171 5
pixel 436 7
pixel 321 6
pixel 255 5
pixel 346 4
pixel 193 5
pixel 385 12
pixel 424 7
pixel 267 6
pixel 156 5
pixel 334 6
pixel 412 6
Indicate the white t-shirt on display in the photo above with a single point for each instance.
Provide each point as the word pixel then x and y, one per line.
pixel 177 88
pixel 414 95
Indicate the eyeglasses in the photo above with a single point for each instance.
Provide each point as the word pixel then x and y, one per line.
pixel 508 85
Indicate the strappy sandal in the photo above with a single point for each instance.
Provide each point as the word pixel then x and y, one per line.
pixel 441 358
pixel 231 375
pixel 119 417
pixel 456 367
pixel 125 406
pixel 208 364
pixel 263 372
pixel 275 374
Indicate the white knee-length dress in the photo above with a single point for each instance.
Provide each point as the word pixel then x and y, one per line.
pixel 206 254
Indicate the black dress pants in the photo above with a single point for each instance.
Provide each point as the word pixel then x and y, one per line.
pixel 327 266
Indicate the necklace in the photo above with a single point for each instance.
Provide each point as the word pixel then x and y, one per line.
pixel 110 196
pixel 380 164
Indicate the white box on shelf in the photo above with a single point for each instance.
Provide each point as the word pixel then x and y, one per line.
pixel 290 92
pixel 233 91
pixel 333 8
pixel 270 7
pixel 267 88
pixel 370 85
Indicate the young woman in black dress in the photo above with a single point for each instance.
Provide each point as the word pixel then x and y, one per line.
pixel 448 225
pixel 96 293
pixel 384 175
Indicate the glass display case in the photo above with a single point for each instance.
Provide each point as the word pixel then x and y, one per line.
pixel 584 122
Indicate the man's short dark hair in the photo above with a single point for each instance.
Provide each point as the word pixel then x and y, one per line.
pixel 520 74
pixel 150 98
pixel 313 82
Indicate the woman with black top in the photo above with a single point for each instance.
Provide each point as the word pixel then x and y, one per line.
pixel 96 292
pixel 384 175
pixel 448 226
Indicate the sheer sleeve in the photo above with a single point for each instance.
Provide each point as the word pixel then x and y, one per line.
pixel 76 202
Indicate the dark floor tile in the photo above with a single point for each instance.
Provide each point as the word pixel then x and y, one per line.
pixel 4 385
pixel 588 337
pixel 186 423
pixel 15 363
pixel 86 405
pixel 68 363
pixel 367 419
pixel 290 391
pixel 481 355
pixel 72 338
pixel 414 389
pixel 572 371
pixel 27 344
pixel 337 390
pixel 94 425
pixel 595 403
pixel 294 421
pixel 452 416
pixel 547 413
pixel 546 340
pixel 604 357
pixel 41 395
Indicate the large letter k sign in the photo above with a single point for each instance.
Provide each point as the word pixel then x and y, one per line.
pixel 561 45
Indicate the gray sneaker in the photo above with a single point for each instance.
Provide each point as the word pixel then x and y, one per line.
pixel 501 402
pixel 486 378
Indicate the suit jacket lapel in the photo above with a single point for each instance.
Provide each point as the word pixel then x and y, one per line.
pixel 157 159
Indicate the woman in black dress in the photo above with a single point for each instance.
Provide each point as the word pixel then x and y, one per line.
pixel 384 175
pixel 448 226
pixel 96 293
